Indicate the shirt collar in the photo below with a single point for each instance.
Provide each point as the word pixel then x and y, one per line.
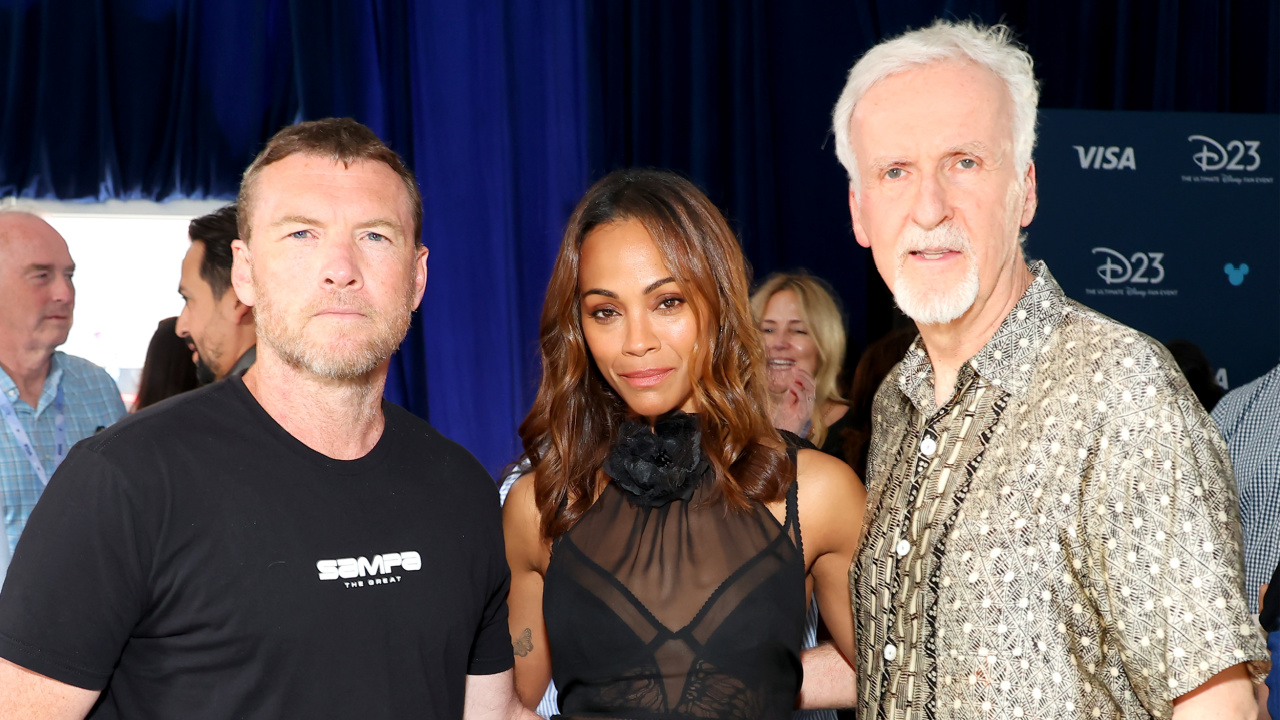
pixel 51 382
pixel 47 393
pixel 245 362
pixel 1009 357
pixel 915 377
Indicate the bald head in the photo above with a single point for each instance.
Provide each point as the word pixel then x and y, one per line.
pixel 37 297
pixel 16 225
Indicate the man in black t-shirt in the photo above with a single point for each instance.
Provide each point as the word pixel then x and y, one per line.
pixel 283 544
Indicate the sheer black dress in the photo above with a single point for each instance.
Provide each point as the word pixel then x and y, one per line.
pixel 659 604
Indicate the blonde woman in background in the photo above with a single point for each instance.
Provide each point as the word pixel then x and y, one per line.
pixel 805 340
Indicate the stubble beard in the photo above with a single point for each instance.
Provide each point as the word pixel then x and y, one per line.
pixel 931 305
pixel 352 361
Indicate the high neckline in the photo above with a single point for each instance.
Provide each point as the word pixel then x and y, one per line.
pixel 658 465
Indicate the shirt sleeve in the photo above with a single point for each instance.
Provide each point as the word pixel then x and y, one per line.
pixel 491 651
pixel 76 585
pixel 1161 522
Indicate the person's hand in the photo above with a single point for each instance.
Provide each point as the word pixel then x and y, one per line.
pixel 792 411
pixel 779 381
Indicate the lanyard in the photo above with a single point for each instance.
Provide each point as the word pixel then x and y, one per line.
pixel 24 441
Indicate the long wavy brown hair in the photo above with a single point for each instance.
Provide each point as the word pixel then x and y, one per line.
pixel 568 433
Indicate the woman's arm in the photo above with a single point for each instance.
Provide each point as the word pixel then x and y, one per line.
pixel 831 504
pixel 527 554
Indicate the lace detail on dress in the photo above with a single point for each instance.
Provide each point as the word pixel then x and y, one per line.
pixel 708 693
pixel 713 693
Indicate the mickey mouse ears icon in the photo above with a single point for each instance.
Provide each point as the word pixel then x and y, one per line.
pixel 1236 274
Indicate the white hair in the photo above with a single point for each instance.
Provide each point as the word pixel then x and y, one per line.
pixel 990 47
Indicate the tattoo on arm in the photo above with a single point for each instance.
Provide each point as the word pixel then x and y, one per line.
pixel 523 644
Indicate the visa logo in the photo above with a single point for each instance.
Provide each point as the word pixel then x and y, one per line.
pixel 1106 158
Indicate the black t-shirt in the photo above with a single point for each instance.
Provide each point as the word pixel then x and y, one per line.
pixel 197 561
pixel 1269 613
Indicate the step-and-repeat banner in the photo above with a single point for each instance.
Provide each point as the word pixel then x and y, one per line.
pixel 1169 223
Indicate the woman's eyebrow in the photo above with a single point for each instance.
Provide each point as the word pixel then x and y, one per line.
pixel 657 284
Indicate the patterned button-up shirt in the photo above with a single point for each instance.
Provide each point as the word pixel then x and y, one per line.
pixel 91 402
pixel 1061 539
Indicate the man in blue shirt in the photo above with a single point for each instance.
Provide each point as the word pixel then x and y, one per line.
pixel 48 400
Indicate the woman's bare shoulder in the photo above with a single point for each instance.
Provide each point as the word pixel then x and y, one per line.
pixel 823 472
pixel 831 498
pixel 522 524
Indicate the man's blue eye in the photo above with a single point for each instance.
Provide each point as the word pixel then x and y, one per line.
pixel 893 173
pixel 377 236
pixel 299 234
pixel 968 163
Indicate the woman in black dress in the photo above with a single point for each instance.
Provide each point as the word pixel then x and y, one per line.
pixel 664 547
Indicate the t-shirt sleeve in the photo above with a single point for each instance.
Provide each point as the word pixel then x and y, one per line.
pixel 1162 540
pixel 491 651
pixel 76 586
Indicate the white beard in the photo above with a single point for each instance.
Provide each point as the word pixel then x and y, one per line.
pixel 929 304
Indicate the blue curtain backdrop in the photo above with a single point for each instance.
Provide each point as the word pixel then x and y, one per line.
pixel 507 109
pixel 163 99
pixel 737 94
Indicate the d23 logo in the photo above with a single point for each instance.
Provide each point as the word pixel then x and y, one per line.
pixel 1212 156
pixel 1116 268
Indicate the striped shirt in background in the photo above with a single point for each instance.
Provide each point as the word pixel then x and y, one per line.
pixel 549 706
pixel 1249 418
pixel 92 402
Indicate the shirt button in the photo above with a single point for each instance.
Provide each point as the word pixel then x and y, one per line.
pixel 890 652
pixel 903 547
pixel 928 445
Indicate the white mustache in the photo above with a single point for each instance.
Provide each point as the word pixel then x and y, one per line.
pixel 945 237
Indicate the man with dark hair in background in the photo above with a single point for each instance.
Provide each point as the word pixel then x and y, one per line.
pixel 49 400
pixel 214 320
pixel 284 544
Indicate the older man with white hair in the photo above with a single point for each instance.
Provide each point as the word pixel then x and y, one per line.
pixel 1052 530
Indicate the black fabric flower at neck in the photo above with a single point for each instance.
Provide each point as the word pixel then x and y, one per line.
pixel 659 465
